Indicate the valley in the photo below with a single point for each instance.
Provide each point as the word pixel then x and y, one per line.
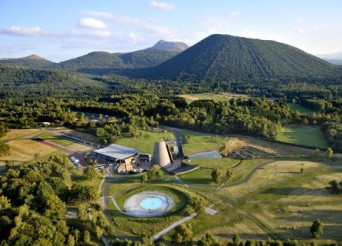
pixel 238 143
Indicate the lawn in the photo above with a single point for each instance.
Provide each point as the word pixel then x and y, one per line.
pixel 301 109
pixel 145 140
pixel 310 136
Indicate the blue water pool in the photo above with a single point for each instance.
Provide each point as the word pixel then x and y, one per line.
pixel 152 203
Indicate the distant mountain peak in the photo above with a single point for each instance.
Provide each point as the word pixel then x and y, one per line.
pixel 34 57
pixel 170 46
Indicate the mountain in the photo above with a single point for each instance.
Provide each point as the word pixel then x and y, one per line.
pixel 147 57
pixel 97 61
pixel 170 46
pixel 230 58
pixel 93 60
pixel 32 61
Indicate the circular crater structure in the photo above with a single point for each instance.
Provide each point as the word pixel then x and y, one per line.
pixel 148 204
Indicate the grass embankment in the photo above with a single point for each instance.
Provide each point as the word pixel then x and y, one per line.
pixel 310 136
pixel 145 140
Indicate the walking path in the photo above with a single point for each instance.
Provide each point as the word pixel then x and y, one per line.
pixel 177 223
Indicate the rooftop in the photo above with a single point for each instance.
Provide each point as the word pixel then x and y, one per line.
pixel 117 151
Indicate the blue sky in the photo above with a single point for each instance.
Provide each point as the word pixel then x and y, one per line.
pixel 63 29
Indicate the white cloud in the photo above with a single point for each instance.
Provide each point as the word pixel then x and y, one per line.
pixel 160 5
pixel 104 34
pixel 92 23
pixel 23 31
pixel 148 25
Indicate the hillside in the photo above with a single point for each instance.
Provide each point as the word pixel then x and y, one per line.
pixel 25 83
pixel 32 61
pixel 93 60
pixel 224 58
pixel 170 46
pixel 146 58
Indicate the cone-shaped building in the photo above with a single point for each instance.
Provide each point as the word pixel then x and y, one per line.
pixel 162 155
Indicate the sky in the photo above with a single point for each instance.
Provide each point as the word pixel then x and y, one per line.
pixel 63 29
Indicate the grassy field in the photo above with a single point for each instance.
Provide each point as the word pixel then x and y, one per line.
pixel 20 133
pixel 22 150
pixel 303 135
pixel 195 142
pixel 145 140
pixel 212 96
pixel 302 110
pixel 282 198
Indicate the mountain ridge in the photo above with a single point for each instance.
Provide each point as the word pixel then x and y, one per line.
pixel 225 57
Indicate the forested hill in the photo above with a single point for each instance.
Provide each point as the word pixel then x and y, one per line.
pixel 147 57
pixel 93 60
pixel 25 83
pixel 32 61
pixel 230 58
pixel 104 60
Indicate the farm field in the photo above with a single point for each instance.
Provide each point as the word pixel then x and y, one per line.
pixel 304 135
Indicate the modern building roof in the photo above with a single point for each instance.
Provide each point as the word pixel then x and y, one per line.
pixel 117 151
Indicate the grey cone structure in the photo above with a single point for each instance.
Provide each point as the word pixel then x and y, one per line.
pixel 162 155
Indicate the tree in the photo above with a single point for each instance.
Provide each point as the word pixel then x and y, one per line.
pixel 236 239
pixel 70 240
pixel 216 176
pixel 90 173
pixel 183 234
pixel 86 236
pixel 316 228
pixel 208 240
pixel 160 173
pixel 329 153
pixel 143 178
pixel 4 203
pixel 229 174
pixel 334 184
pixel 198 204
pixel 317 153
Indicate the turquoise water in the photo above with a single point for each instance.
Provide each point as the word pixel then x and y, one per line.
pixel 152 203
